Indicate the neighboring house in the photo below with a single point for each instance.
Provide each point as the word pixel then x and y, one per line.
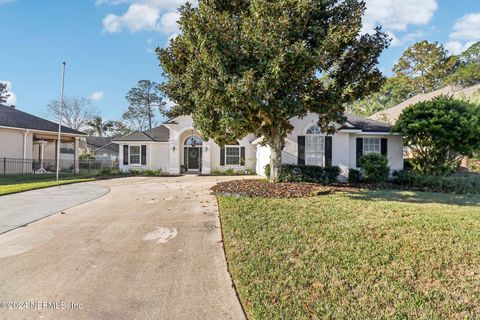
pixel 176 145
pixel 28 143
pixel 392 114
pixel 102 148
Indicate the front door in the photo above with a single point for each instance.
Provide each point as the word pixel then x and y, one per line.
pixel 193 158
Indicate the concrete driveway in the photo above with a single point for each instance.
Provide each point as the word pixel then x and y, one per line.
pixel 149 249
pixel 20 209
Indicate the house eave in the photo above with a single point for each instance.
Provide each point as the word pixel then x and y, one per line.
pixel 45 132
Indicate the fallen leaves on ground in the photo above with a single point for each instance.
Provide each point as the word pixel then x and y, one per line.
pixel 263 188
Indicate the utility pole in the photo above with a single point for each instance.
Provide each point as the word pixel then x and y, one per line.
pixel 60 116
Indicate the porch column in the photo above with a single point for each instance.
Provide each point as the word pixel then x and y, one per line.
pixel 24 167
pixel 174 154
pixel 206 157
pixel 42 153
pixel 76 155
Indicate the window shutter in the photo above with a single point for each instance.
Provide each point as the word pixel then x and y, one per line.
pixel 328 151
pixel 242 156
pixel 144 155
pixel 359 151
pixel 125 155
pixel 384 146
pixel 301 149
pixel 222 156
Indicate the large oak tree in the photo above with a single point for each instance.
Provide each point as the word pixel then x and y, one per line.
pixel 249 66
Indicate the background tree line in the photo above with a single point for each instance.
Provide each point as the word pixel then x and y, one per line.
pixel 423 67
pixel 146 106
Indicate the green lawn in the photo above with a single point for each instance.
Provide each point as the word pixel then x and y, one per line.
pixel 14 184
pixel 366 255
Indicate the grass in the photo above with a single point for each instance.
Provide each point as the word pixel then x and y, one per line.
pixel 365 255
pixel 20 183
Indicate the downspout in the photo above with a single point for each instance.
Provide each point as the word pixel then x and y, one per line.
pixel 25 134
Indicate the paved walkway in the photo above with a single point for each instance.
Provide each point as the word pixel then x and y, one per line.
pixel 20 209
pixel 149 249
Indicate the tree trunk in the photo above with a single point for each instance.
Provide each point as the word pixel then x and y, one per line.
pixel 275 159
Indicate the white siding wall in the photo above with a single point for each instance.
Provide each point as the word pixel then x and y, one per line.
pixel 394 150
pixel 11 144
pixel 343 148
pixel 250 157
pixel 157 156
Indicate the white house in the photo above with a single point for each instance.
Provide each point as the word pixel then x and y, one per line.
pixel 176 145
pixel 28 143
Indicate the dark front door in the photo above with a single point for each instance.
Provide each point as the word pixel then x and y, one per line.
pixel 193 158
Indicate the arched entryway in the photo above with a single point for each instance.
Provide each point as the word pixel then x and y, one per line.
pixel 192 154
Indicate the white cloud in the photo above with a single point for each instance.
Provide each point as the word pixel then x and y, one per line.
pixel 12 99
pixel 168 23
pixel 5 1
pixel 466 32
pixel 138 17
pixel 151 15
pixel 396 16
pixel 97 96
pixel 405 39
pixel 169 104
pixel 111 2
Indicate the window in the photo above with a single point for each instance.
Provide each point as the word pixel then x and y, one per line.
pixel 134 154
pixel 314 147
pixel 314 130
pixel 193 141
pixel 314 150
pixel 371 145
pixel 232 155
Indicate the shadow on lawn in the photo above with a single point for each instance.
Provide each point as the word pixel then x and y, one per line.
pixel 417 197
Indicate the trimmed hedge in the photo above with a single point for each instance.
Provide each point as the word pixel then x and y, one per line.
pixel 303 173
pixel 375 168
pixel 450 184
pixel 354 176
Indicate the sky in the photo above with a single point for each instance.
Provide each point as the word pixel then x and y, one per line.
pixel 109 44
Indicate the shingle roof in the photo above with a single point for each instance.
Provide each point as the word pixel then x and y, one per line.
pixel 367 125
pixel 10 117
pixel 391 115
pixel 158 134
pixel 112 147
pixel 98 141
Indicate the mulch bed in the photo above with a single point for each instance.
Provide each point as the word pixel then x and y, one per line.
pixel 263 188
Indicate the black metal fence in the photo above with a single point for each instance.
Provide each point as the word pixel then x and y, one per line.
pixel 10 166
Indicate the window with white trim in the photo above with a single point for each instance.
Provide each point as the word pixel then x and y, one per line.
pixel 314 147
pixel 135 152
pixel 232 155
pixel 371 145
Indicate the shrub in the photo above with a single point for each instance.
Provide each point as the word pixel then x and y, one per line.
pixel 375 167
pixel 152 173
pixel 106 171
pixel 408 164
pixel 229 172
pixel 302 173
pixel 87 156
pixel 455 184
pixel 440 133
pixel 354 176
pixel 266 170
pixel 134 172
